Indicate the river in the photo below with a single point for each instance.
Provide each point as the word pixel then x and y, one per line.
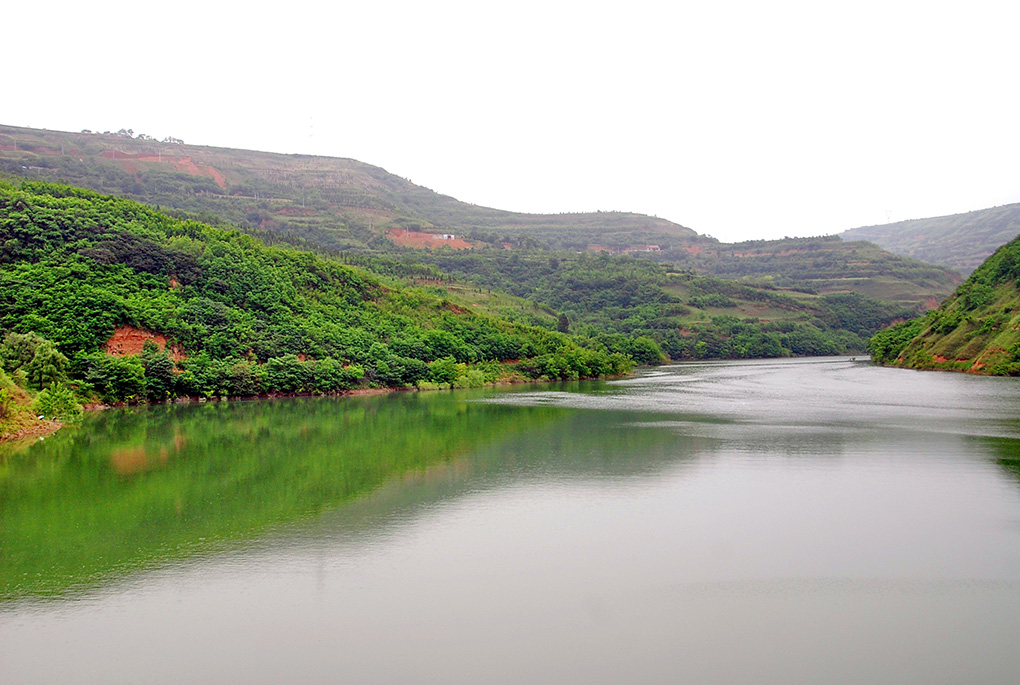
pixel 815 520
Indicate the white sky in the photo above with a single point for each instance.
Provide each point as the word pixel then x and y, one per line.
pixel 738 119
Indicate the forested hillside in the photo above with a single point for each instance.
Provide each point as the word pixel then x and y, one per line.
pixel 225 314
pixel 976 330
pixel 689 315
pixel 960 241
pixel 344 205
pixel 256 318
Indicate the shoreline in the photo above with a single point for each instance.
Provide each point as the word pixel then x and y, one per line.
pixel 40 428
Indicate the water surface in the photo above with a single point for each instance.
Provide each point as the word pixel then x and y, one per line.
pixel 794 521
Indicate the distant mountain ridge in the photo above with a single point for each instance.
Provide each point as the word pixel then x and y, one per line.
pixel 958 241
pixel 332 202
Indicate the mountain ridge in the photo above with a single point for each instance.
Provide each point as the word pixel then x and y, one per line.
pixel 961 241
pixel 348 196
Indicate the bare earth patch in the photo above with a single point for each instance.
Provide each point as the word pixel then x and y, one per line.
pixel 421 239
pixel 129 340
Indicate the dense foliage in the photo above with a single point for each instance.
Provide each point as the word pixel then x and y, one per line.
pixel 689 316
pixel 242 318
pixel 976 330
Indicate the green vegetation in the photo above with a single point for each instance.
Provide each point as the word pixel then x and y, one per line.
pixel 975 330
pixel 794 296
pixel 960 241
pixel 15 406
pixel 33 376
pixel 341 205
pixel 619 301
pixel 240 317
pixel 823 264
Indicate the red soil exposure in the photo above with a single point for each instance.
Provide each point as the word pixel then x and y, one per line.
pixel 456 309
pixel 184 164
pixel 128 340
pixel 420 239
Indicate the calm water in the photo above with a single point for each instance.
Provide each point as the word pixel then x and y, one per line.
pixel 792 521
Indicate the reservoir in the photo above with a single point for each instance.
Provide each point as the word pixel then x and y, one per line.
pixel 798 521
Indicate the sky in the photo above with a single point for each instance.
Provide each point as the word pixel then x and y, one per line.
pixel 741 120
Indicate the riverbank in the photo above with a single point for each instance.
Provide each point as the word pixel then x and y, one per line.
pixel 33 427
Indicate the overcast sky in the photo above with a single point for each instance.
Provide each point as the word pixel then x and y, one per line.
pixel 740 120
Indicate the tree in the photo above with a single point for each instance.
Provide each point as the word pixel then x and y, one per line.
pixel 159 377
pixel 37 357
pixel 563 324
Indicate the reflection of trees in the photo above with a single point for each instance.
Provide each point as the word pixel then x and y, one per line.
pixel 1007 451
pixel 131 489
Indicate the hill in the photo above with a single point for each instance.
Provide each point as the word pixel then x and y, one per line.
pixel 976 330
pixel 960 241
pixel 823 265
pixel 130 303
pixel 335 203
pixel 344 205
pixel 689 315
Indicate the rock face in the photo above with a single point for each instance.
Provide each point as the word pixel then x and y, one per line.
pixel 129 340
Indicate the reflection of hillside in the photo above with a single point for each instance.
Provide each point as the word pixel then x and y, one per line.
pixel 583 447
pixel 136 488
pixel 1008 452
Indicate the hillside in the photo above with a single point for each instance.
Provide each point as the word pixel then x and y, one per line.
pixel 130 303
pixel 337 205
pixel 823 265
pixel 976 330
pixel 689 315
pixel 960 241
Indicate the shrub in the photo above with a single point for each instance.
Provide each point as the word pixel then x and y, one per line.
pixel 6 400
pixel 58 402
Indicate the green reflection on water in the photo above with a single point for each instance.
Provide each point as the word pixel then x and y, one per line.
pixel 1006 451
pixel 133 488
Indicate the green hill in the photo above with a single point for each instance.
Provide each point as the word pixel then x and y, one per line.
pixel 960 241
pixel 228 315
pixel 345 205
pixel 976 330
pixel 823 265
pixel 690 315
